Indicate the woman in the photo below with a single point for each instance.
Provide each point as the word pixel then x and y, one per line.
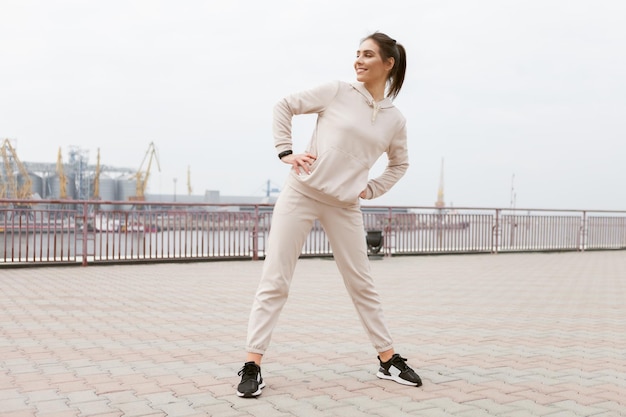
pixel 356 124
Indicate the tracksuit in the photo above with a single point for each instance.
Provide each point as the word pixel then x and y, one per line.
pixel 351 133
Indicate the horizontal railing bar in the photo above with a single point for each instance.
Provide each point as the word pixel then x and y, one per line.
pixel 42 232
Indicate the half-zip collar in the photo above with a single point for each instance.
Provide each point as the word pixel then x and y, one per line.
pixel 376 106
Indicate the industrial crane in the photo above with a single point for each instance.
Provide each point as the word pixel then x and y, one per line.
pixel 142 176
pixel 440 203
pixel 189 180
pixel 4 184
pixel 10 187
pixel 62 176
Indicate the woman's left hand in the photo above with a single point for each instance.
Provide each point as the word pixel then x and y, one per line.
pixel 363 193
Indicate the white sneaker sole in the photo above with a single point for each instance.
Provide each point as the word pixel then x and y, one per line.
pixel 396 379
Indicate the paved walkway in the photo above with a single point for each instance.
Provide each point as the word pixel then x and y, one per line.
pixel 512 335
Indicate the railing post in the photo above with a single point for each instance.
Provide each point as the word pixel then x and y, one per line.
pixel 583 232
pixel 387 234
pixel 255 234
pixel 85 232
pixel 496 233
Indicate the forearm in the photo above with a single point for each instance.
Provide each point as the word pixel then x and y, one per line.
pixel 383 183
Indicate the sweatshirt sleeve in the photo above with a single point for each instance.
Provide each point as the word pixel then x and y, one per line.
pixel 398 163
pixel 310 101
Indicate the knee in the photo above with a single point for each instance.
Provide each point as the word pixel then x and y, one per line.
pixel 271 290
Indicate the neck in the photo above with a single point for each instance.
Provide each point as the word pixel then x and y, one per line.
pixel 377 91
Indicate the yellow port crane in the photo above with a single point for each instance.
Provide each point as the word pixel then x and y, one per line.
pixel 143 175
pixel 3 186
pixel 10 187
pixel 189 180
pixel 62 176
pixel 440 203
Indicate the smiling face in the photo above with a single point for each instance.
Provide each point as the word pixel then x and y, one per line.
pixel 369 65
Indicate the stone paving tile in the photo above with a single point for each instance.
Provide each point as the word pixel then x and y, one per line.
pixel 93 408
pixel 491 335
pixel 69 413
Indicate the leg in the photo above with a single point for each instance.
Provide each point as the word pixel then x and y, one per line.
pixel 254 357
pixel 346 233
pixel 386 355
pixel 291 222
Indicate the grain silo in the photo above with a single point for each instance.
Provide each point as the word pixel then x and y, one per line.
pixel 108 192
pixel 36 185
pixel 126 190
pixel 53 188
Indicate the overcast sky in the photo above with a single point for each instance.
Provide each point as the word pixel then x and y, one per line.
pixel 530 89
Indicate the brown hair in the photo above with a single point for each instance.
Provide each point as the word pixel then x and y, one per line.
pixel 389 48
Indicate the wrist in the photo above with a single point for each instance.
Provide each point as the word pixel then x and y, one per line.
pixel 284 153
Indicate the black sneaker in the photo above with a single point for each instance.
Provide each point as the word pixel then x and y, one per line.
pixel 251 380
pixel 397 370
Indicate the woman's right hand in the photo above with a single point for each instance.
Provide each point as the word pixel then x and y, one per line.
pixel 300 161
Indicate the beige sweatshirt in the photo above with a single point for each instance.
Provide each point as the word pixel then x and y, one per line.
pixel 351 133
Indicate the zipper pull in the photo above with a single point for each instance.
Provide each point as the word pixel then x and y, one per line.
pixel 376 107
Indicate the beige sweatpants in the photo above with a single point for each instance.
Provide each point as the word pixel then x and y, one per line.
pixel 294 214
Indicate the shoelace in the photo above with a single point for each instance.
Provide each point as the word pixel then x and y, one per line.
pixel 249 371
pixel 400 363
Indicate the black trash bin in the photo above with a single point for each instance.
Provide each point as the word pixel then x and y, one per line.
pixel 374 241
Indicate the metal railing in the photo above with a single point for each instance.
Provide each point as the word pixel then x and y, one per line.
pixel 90 232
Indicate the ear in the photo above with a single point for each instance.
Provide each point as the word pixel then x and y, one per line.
pixel 389 64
